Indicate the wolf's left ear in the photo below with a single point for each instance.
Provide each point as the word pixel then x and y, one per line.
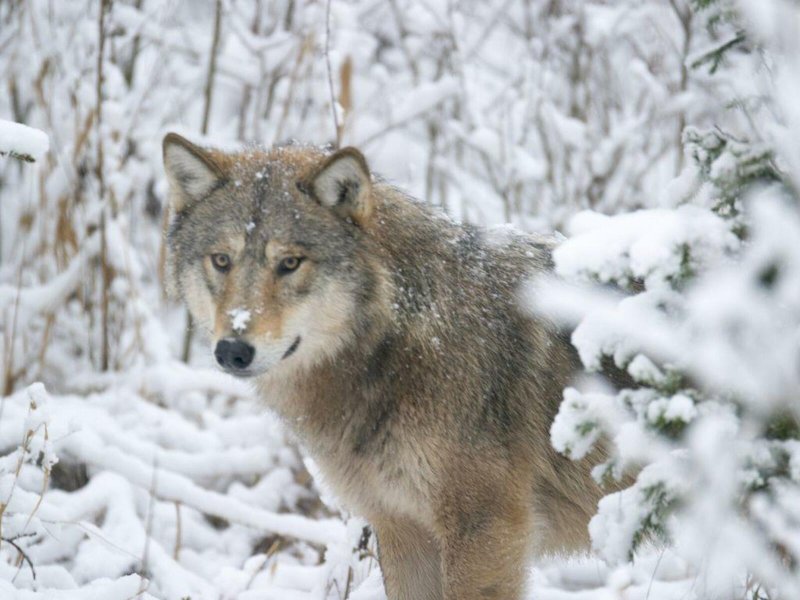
pixel 343 184
pixel 191 170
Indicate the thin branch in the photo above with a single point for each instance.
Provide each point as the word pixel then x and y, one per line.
pixel 305 48
pixel 22 554
pixel 330 74
pixel 128 69
pixel 401 27
pixel 178 528
pixel 18 156
pixel 212 68
pixel 186 351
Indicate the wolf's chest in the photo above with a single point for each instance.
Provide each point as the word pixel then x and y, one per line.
pixel 394 479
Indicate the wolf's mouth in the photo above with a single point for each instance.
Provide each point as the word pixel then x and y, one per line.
pixel 240 373
pixel 255 370
pixel 291 348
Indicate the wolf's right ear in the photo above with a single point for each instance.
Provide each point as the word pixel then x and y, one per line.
pixel 191 170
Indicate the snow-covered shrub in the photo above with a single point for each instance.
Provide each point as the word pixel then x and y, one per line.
pixel 709 332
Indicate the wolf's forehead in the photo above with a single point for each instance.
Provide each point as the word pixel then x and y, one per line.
pixel 266 176
pixel 281 164
pixel 268 205
pixel 266 191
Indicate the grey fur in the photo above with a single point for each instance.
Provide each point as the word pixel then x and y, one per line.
pixel 431 418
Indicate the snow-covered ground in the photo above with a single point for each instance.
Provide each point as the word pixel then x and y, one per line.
pixel 660 137
pixel 169 471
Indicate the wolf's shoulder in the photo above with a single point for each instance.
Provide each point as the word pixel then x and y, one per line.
pixel 416 227
pixel 509 237
pixel 518 249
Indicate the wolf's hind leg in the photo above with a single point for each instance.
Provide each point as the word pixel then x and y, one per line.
pixel 410 560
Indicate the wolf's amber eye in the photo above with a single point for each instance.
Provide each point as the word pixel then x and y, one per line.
pixel 221 262
pixel 289 264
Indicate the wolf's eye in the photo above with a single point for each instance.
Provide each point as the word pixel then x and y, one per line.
pixel 289 264
pixel 221 262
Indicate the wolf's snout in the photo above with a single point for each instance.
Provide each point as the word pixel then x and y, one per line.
pixel 234 354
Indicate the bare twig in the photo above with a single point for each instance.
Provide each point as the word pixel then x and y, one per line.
pixel 247 94
pixel 305 47
pixel 178 528
pixel 130 66
pixel 403 30
pixel 212 68
pixel 23 157
pixel 22 554
pixel 272 551
pixel 45 482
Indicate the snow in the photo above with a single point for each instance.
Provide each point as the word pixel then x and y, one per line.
pixel 20 140
pixel 502 235
pixel 645 244
pixel 129 586
pixel 128 466
pixel 644 370
pixel 163 479
pixel 240 317
pixel 424 98
pixel 579 414
pixel 44 298
pixel 571 130
pixel 676 408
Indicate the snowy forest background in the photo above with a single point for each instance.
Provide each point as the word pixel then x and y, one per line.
pixel 659 136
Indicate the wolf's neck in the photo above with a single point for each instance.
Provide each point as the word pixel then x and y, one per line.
pixel 303 392
pixel 341 398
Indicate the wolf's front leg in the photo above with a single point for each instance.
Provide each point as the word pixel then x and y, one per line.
pixel 485 552
pixel 410 560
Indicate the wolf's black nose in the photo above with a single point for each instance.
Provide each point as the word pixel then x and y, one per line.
pixel 234 354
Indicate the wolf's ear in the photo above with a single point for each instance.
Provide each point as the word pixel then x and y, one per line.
pixel 191 170
pixel 343 184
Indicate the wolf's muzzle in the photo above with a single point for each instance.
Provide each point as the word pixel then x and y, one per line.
pixel 234 354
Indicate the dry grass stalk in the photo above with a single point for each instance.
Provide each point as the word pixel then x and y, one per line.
pixel 105 8
pixel 345 95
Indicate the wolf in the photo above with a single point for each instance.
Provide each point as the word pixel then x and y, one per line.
pixel 391 341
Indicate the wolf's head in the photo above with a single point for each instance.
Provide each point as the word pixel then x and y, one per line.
pixel 268 250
